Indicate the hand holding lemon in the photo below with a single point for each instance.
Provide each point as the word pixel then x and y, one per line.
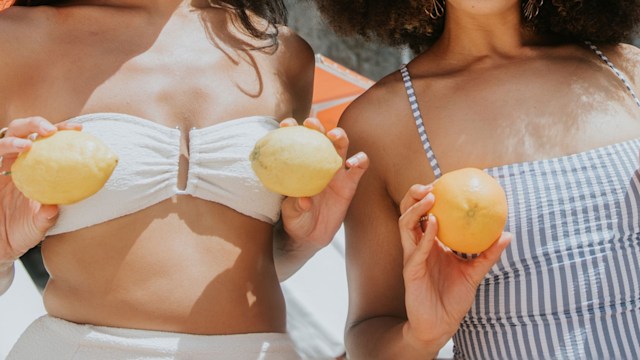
pixel 24 221
pixel 465 209
pixel 63 168
pixel 309 165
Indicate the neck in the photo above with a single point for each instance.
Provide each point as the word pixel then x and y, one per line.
pixel 483 34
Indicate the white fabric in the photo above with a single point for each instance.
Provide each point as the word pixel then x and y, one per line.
pixel 19 307
pixel 147 170
pixel 53 338
pixel 317 302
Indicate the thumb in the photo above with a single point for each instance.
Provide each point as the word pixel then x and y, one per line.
pixel 357 164
pixel 45 218
pixel 303 204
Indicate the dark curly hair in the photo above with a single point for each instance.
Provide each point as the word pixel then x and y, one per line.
pixel 407 22
pixel 274 11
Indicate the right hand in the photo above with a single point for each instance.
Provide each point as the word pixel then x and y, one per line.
pixel 23 222
pixel 440 287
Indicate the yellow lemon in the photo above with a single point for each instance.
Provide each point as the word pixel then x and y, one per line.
pixel 471 209
pixel 295 161
pixel 63 168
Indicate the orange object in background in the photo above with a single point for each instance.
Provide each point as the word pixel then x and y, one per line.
pixel 471 210
pixel 334 88
pixel 4 4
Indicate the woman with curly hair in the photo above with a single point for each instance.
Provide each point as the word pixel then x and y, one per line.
pixel 540 94
pixel 175 257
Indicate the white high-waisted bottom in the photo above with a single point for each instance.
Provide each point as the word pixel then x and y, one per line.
pixel 53 338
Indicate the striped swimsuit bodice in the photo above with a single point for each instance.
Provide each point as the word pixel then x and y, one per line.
pixel 568 285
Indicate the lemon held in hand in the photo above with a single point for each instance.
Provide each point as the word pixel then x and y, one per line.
pixel 471 209
pixel 295 161
pixel 63 168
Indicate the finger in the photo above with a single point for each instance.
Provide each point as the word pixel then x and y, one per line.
pixel 416 193
pixel 11 145
pixel 288 122
pixel 303 204
pixel 409 224
pixel 340 141
pixel 483 263
pixel 45 218
pixel 357 164
pixel 67 125
pixel 410 219
pixel 27 126
pixel 416 261
pixel 315 124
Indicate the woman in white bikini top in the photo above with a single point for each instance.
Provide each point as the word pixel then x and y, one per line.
pixel 180 240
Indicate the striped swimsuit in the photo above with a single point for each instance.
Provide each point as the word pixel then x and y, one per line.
pixel 568 285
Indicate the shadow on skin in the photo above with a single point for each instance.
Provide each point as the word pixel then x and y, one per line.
pixel 133 268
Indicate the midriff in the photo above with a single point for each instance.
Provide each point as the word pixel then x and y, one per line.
pixel 183 265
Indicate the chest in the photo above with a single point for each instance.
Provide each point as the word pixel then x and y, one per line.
pixel 493 121
pixel 185 84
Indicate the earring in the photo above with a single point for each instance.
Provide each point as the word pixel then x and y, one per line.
pixel 532 8
pixel 437 10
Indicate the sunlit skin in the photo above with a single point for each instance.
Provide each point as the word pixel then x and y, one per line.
pixel 491 94
pixel 185 264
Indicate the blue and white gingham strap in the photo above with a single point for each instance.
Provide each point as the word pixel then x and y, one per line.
pixel 619 74
pixel 419 123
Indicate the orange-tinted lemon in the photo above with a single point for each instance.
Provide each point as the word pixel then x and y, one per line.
pixel 471 209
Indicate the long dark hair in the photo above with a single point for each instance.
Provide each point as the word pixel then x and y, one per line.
pixel 407 22
pixel 273 11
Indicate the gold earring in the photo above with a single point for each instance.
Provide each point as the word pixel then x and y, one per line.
pixel 437 9
pixel 532 8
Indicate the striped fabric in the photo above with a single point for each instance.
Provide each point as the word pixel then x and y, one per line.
pixel 413 102
pixel 615 70
pixel 568 287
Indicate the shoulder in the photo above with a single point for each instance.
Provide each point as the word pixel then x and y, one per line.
pixel 377 119
pixel 296 63
pixel 376 106
pixel 294 53
pixel 25 33
pixel 625 57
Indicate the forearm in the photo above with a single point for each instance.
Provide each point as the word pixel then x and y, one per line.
pixel 289 255
pixel 7 272
pixel 388 338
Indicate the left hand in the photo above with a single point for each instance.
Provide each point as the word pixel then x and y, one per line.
pixel 311 222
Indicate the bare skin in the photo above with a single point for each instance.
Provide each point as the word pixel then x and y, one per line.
pixel 490 95
pixel 185 264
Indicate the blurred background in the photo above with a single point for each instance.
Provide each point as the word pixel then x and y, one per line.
pixel 372 61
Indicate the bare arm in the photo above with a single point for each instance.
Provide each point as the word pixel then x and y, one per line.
pixel 309 224
pixel 377 315
pixel 23 223
pixel 407 292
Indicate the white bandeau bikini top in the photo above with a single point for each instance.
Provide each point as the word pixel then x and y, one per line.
pixel 147 171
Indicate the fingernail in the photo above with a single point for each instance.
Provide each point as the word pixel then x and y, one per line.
pixel 430 197
pixel 427 187
pixel 355 159
pixel 333 134
pixel 47 127
pixel 432 218
pixel 21 144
